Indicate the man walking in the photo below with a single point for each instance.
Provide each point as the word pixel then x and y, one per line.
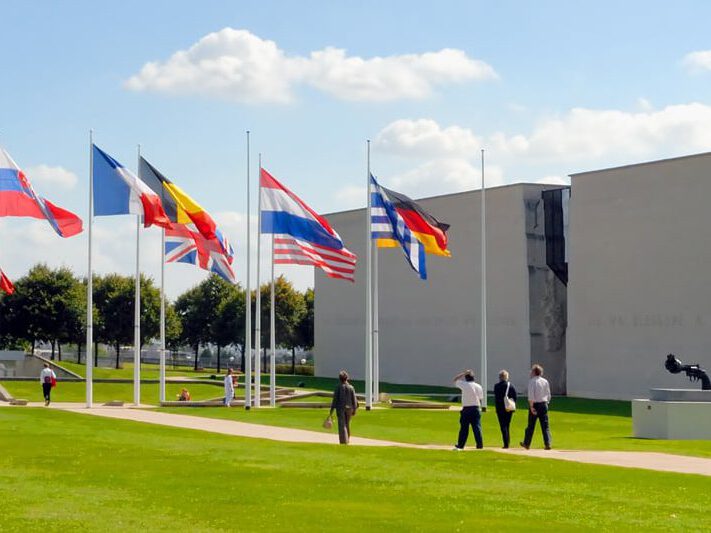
pixel 539 394
pixel 472 398
pixel 345 404
pixel 47 379
pixel 229 388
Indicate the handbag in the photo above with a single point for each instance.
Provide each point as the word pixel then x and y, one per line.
pixel 54 382
pixel 328 423
pixel 509 404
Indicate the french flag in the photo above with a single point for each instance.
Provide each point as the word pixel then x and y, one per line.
pixel 18 199
pixel 301 236
pixel 118 191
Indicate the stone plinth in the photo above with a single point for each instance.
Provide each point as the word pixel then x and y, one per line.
pixel 680 395
pixel 672 420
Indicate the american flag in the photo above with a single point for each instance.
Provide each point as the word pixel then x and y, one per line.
pixel 185 244
pixel 301 236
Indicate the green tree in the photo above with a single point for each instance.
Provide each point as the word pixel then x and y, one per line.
pixel 228 327
pixel 198 310
pixel 305 329
pixel 46 306
pixel 289 311
pixel 114 301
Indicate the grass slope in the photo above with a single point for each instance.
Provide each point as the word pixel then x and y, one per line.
pixel 575 424
pixel 71 472
pixel 104 392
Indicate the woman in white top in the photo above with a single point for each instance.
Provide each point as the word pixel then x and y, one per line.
pixel 47 379
pixel 229 388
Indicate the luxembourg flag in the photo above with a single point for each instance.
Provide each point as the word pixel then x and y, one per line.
pixel 118 191
pixel 301 236
pixel 18 199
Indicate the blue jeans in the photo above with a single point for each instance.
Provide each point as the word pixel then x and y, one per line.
pixel 470 416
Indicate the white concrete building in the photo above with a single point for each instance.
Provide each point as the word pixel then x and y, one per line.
pixel 640 276
pixel 430 330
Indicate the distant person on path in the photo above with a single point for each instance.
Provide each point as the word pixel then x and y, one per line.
pixel 229 388
pixel 345 404
pixel 504 389
pixel 472 399
pixel 539 394
pixel 48 379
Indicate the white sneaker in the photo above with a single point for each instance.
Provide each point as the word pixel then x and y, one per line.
pixel 457 449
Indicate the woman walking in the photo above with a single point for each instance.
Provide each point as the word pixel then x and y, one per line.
pixel 48 379
pixel 345 404
pixel 505 393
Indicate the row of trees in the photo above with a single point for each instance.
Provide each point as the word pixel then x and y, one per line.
pixel 49 306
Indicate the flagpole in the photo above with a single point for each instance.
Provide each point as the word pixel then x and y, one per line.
pixel 137 313
pixel 89 286
pixel 161 386
pixel 272 334
pixel 376 321
pixel 483 283
pixel 368 297
pixel 258 303
pixel 248 310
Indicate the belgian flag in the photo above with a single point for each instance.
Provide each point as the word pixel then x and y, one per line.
pixel 427 229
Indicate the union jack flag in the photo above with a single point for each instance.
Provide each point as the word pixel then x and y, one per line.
pixel 185 244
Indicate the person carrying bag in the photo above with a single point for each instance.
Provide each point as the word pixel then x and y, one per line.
pixel 505 401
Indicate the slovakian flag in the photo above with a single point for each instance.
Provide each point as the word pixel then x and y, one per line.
pixel 301 237
pixel 5 284
pixel 184 244
pixel 118 191
pixel 179 206
pixel 387 223
pixel 18 199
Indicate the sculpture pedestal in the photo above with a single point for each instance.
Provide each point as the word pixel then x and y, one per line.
pixel 673 414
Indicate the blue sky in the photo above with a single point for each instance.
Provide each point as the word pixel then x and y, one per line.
pixel 547 88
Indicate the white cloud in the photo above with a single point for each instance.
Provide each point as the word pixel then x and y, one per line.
pixel 589 134
pixel 239 66
pixel 46 177
pixel 426 138
pixel 446 158
pixel 351 197
pixel 696 62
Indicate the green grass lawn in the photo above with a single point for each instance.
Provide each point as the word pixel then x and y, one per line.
pixel 103 392
pixel 575 424
pixel 148 371
pixel 69 472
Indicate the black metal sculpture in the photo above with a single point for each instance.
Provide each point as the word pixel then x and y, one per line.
pixel 694 372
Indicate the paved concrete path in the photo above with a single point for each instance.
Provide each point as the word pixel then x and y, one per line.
pixel 646 460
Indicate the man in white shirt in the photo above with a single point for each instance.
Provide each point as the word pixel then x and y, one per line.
pixel 472 398
pixel 229 388
pixel 47 377
pixel 539 394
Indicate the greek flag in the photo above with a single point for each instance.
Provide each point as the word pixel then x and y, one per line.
pixel 387 223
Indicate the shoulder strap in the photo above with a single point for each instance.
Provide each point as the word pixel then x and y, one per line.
pixel 508 384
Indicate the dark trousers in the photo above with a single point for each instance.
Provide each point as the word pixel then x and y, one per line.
pixel 470 416
pixel 344 424
pixel 504 417
pixel 542 416
pixel 46 390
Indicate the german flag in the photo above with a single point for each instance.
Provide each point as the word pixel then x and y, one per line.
pixel 427 229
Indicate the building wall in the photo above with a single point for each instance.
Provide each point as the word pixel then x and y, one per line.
pixel 640 276
pixel 430 330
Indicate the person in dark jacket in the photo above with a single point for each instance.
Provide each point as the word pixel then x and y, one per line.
pixel 501 389
pixel 345 404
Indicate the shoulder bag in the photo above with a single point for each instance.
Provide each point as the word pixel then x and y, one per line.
pixel 509 404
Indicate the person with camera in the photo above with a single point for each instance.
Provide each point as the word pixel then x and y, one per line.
pixel 472 400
